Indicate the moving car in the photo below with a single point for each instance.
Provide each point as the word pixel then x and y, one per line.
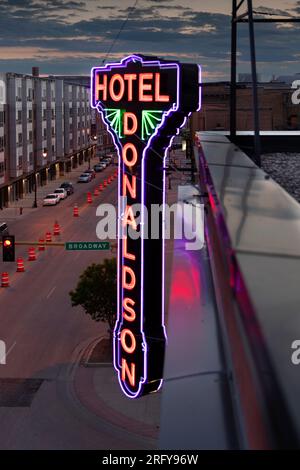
pixel 61 192
pixel 68 187
pixel 51 200
pixel 3 229
pixel 84 178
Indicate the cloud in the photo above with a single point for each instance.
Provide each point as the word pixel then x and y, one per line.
pixel 69 34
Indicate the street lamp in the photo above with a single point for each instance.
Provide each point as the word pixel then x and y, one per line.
pixel 93 139
pixel 44 154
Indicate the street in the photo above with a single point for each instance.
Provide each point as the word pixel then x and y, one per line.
pixel 44 334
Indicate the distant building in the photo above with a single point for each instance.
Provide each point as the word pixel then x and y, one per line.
pixel 287 79
pixel 277 112
pixel 45 125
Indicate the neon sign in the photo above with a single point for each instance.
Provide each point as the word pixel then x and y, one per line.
pixel 143 102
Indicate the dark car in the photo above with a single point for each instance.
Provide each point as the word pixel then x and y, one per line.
pixel 68 187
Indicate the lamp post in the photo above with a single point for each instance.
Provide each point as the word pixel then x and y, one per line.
pixel 45 153
pixel 93 140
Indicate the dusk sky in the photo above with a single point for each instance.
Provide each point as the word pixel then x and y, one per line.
pixel 71 36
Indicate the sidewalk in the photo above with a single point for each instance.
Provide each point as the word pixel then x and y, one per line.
pixel 98 391
pixel 13 211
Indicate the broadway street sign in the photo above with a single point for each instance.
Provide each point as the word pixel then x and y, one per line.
pixel 87 246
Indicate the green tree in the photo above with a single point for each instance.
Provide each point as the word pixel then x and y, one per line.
pixel 96 292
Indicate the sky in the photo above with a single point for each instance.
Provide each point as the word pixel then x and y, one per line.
pixel 71 36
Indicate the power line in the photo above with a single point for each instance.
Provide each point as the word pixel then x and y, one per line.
pixel 130 11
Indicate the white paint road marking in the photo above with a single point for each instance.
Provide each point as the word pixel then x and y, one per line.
pixel 51 292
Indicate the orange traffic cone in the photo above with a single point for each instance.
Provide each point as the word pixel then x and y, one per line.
pixel 105 183
pixel 75 211
pixel 56 229
pixel 4 280
pixel 41 244
pixel 96 192
pixel 89 198
pixel 101 187
pixel 20 265
pixel 31 254
pixel 48 237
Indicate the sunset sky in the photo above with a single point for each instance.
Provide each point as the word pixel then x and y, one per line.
pixel 71 36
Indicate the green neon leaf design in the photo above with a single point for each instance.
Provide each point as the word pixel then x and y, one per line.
pixel 114 117
pixel 150 121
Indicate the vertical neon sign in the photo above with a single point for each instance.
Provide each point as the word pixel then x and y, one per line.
pixel 143 102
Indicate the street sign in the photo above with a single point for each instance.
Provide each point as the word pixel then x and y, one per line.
pixel 143 102
pixel 87 246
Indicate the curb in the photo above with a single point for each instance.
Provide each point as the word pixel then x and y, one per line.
pixel 83 389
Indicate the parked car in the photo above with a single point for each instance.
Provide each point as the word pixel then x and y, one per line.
pixel 3 229
pixel 102 164
pixel 51 200
pixel 68 187
pixel 107 161
pixel 84 178
pixel 61 192
pixel 92 172
pixel 98 167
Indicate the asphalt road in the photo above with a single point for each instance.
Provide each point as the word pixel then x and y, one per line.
pixel 42 331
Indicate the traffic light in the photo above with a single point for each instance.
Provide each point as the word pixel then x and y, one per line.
pixel 8 248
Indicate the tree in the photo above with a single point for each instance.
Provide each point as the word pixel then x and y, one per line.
pixel 96 292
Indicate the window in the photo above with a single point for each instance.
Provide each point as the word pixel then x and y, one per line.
pixel 45 133
pixel 20 139
pixel 19 117
pixel 30 137
pixel 20 162
pixel 79 140
pixel 30 115
pixel 52 131
pixel 53 149
pixel 44 114
pixel 2 143
pixel 19 94
pixel 29 94
pixel 71 127
pixel 52 113
pixel 2 118
pixel 30 158
pixel 2 168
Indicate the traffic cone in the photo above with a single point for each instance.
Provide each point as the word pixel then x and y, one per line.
pixel 20 265
pixel 56 229
pixel 89 198
pixel 105 183
pixel 96 192
pixel 101 187
pixel 31 254
pixel 48 237
pixel 75 211
pixel 41 244
pixel 4 280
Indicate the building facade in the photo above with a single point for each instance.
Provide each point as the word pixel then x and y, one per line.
pixel 276 110
pixel 45 131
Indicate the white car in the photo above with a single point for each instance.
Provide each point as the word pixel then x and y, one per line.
pixel 84 178
pixel 61 192
pixel 51 200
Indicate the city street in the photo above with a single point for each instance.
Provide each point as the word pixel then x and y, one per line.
pixel 44 334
